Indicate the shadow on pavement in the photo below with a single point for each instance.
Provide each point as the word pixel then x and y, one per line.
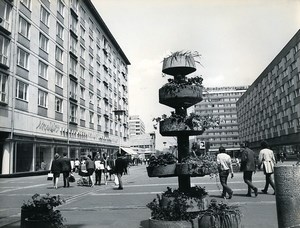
pixel 144 224
pixel 75 226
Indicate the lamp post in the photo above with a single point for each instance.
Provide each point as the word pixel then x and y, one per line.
pixel 119 113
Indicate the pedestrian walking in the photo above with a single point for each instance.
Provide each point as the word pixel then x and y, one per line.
pixel 77 165
pixel 248 167
pixel 97 161
pixel 55 169
pixel 104 167
pixel 120 167
pixel 224 167
pixel 65 163
pixel 267 160
pixel 90 167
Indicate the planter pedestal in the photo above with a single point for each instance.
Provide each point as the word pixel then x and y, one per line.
pixel 287 185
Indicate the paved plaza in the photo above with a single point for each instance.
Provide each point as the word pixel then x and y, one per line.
pixel 102 206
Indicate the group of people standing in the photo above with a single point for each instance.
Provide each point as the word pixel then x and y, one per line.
pixel 266 160
pixel 100 165
pixel 61 165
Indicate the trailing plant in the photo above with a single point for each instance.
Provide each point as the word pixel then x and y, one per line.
pixel 162 159
pixel 177 211
pixel 207 164
pixel 226 215
pixel 187 54
pixel 192 121
pixel 42 208
pixel 193 192
pixel 178 83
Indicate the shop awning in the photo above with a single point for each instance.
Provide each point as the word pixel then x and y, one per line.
pixel 129 151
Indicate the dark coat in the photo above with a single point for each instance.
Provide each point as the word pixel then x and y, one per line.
pixel 55 167
pixel 248 160
pixel 65 164
pixel 120 166
pixel 89 164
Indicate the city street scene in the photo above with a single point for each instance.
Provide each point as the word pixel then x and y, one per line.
pixel 156 114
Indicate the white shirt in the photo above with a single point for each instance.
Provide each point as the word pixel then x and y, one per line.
pixel 224 160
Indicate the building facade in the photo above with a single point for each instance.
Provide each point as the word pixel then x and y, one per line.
pixel 136 126
pixel 62 75
pixel 143 144
pixel 270 108
pixel 220 102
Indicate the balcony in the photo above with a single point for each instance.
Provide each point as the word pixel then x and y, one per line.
pixel 5 26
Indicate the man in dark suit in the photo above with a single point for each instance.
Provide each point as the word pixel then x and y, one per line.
pixel 120 167
pixel 65 168
pixel 248 167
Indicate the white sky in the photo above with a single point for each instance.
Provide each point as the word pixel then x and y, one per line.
pixel 237 39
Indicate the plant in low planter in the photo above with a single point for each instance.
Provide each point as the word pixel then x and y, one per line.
pixel 40 210
pixel 198 165
pixel 162 165
pixel 220 215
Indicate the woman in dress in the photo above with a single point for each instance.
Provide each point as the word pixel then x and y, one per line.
pixel 55 169
pixel 266 158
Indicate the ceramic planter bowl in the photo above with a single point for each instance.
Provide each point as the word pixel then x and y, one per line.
pixel 162 170
pixel 153 223
pixel 184 96
pixel 179 65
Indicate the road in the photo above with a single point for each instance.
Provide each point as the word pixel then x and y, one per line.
pixel 102 206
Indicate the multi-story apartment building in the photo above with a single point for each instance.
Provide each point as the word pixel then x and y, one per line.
pixel 270 109
pixel 220 102
pixel 62 74
pixel 143 144
pixel 136 126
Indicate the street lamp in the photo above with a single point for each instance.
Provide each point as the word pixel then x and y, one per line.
pixel 119 113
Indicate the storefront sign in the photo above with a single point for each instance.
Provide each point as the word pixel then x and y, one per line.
pixel 51 127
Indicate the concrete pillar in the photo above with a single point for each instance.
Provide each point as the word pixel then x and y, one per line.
pixel 33 165
pixel 287 185
pixel 7 158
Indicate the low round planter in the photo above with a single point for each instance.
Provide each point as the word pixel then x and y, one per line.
pixel 184 96
pixel 162 170
pixel 153 223
pixel 26 213
pixel 179 65
pixel 194 203
pixel 170 127
pixel 208 221
pixel 36 224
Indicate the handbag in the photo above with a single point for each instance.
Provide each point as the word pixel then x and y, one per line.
pixel 71 178
pixel 50 176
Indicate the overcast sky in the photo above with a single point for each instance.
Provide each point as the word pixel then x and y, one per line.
pixel 237 39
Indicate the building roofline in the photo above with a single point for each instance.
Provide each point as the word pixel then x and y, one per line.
pixel 106 29
pixel 275 61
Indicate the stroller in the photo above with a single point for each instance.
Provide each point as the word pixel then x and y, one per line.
pixel 84 177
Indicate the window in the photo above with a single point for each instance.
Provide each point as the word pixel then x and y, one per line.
pixel 21 90
pixel 73 113
pixel 74 5
pixel 23 57
pixel 43 70
pixel 59 30
pixel 4 44
pixel 82 51
pixel 5 10
pixel 59 54
pixel 44 16
pixel 91 95
pixel 43 42
pixel 73 66
pixel 58 104
pixel 82 72
pixel 26 3
pixel 60 7
pixel 82 91
pixel 73 44
pixel 98 102
pixel 73 24
pixel 3 88
pixel 98 120
pixel 42 98
pixel 82 32
pixel 82 113
pixel 59 79
pixel 91 117
pixel 73 89
pixel 24 27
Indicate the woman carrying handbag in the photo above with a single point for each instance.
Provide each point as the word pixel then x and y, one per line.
pixel 55 169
